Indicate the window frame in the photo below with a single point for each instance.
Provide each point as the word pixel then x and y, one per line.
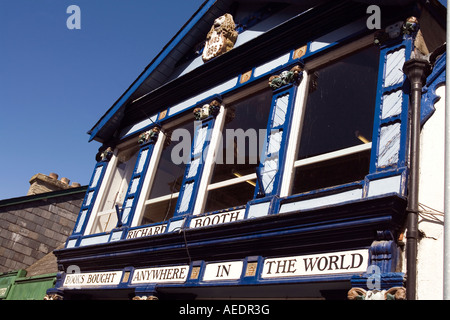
pixel 291 163
pixel 106 185
pixel 209 166
pixel 152 171
pixel 286 169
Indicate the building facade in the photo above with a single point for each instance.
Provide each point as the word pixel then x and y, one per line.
pixel 271 150
pixel 32 227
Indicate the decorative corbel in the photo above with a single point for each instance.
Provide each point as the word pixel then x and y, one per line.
pixel 53 297
pixel 207 110
pixel 395 293
pixel 145 298
pixel 106 154
pixel 286 77
pixel 411 27
pixel 392 31
pixel 149 136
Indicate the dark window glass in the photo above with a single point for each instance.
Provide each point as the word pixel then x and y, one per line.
pixel 339 113
pixel 242 139
pixel 331 172
pixel 340 106
pixel 169 175
pixel 160 211
pixel 230 196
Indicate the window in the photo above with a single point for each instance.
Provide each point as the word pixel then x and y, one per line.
pixel 335 138
pixel 162 200
pixel 124 163
pixel 234 175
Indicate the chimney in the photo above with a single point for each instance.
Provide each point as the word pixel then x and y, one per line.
pixel 41 183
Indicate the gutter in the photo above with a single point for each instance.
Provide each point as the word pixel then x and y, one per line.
pixel 417 70
pixel 42 196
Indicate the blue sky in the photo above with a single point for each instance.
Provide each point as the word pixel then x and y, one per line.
pixel 55 83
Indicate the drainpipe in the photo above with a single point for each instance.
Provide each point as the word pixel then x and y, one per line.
pixel 416 70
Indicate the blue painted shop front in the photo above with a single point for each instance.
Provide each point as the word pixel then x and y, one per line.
pixel 317 214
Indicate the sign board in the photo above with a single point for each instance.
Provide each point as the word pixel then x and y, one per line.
pixel 160 275
pixel 80 280
pixel 317 264
pixel 223 271
pixel 145 232
pixel 217 218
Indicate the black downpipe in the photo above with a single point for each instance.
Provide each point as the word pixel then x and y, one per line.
pixel 417 71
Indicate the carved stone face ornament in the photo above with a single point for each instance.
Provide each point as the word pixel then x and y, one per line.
pixel 284 78
pixel 221 38
pixel 212 109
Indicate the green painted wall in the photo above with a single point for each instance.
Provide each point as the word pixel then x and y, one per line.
pixel 16 286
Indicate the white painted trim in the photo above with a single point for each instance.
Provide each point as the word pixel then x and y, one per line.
pixel 321 201
pixel 111 166
pixel 162 198
pixel 230 182
pixel 148 180
pixel 205 94
pixel 294 135
pixel 340 52
pixel 385 185
pixel 208 166
pixel 269 66
pixel 333 155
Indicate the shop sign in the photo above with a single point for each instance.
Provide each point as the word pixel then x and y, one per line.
pixel 145 232
pixel 80 280
pixel 317 264
pixel 160 275
pixel 217 218
pixel 223 271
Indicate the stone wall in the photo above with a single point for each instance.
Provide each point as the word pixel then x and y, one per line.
pixel 33 226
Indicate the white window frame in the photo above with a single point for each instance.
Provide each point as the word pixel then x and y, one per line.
pixel 104 189
pixel 151 173
pixel 291 164
pixel 206 185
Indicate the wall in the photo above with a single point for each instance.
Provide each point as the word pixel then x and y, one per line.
pixel 431 194
pixel 33 226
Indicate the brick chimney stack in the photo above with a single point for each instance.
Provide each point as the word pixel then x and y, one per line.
pixel 41 183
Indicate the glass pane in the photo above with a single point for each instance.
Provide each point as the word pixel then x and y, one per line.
pixel 340 106
pixel 121 177
pixel 160 211
pixel 170 172
pixel 242 136
pixel 105 222
pixel 331 172
pixel 231 196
